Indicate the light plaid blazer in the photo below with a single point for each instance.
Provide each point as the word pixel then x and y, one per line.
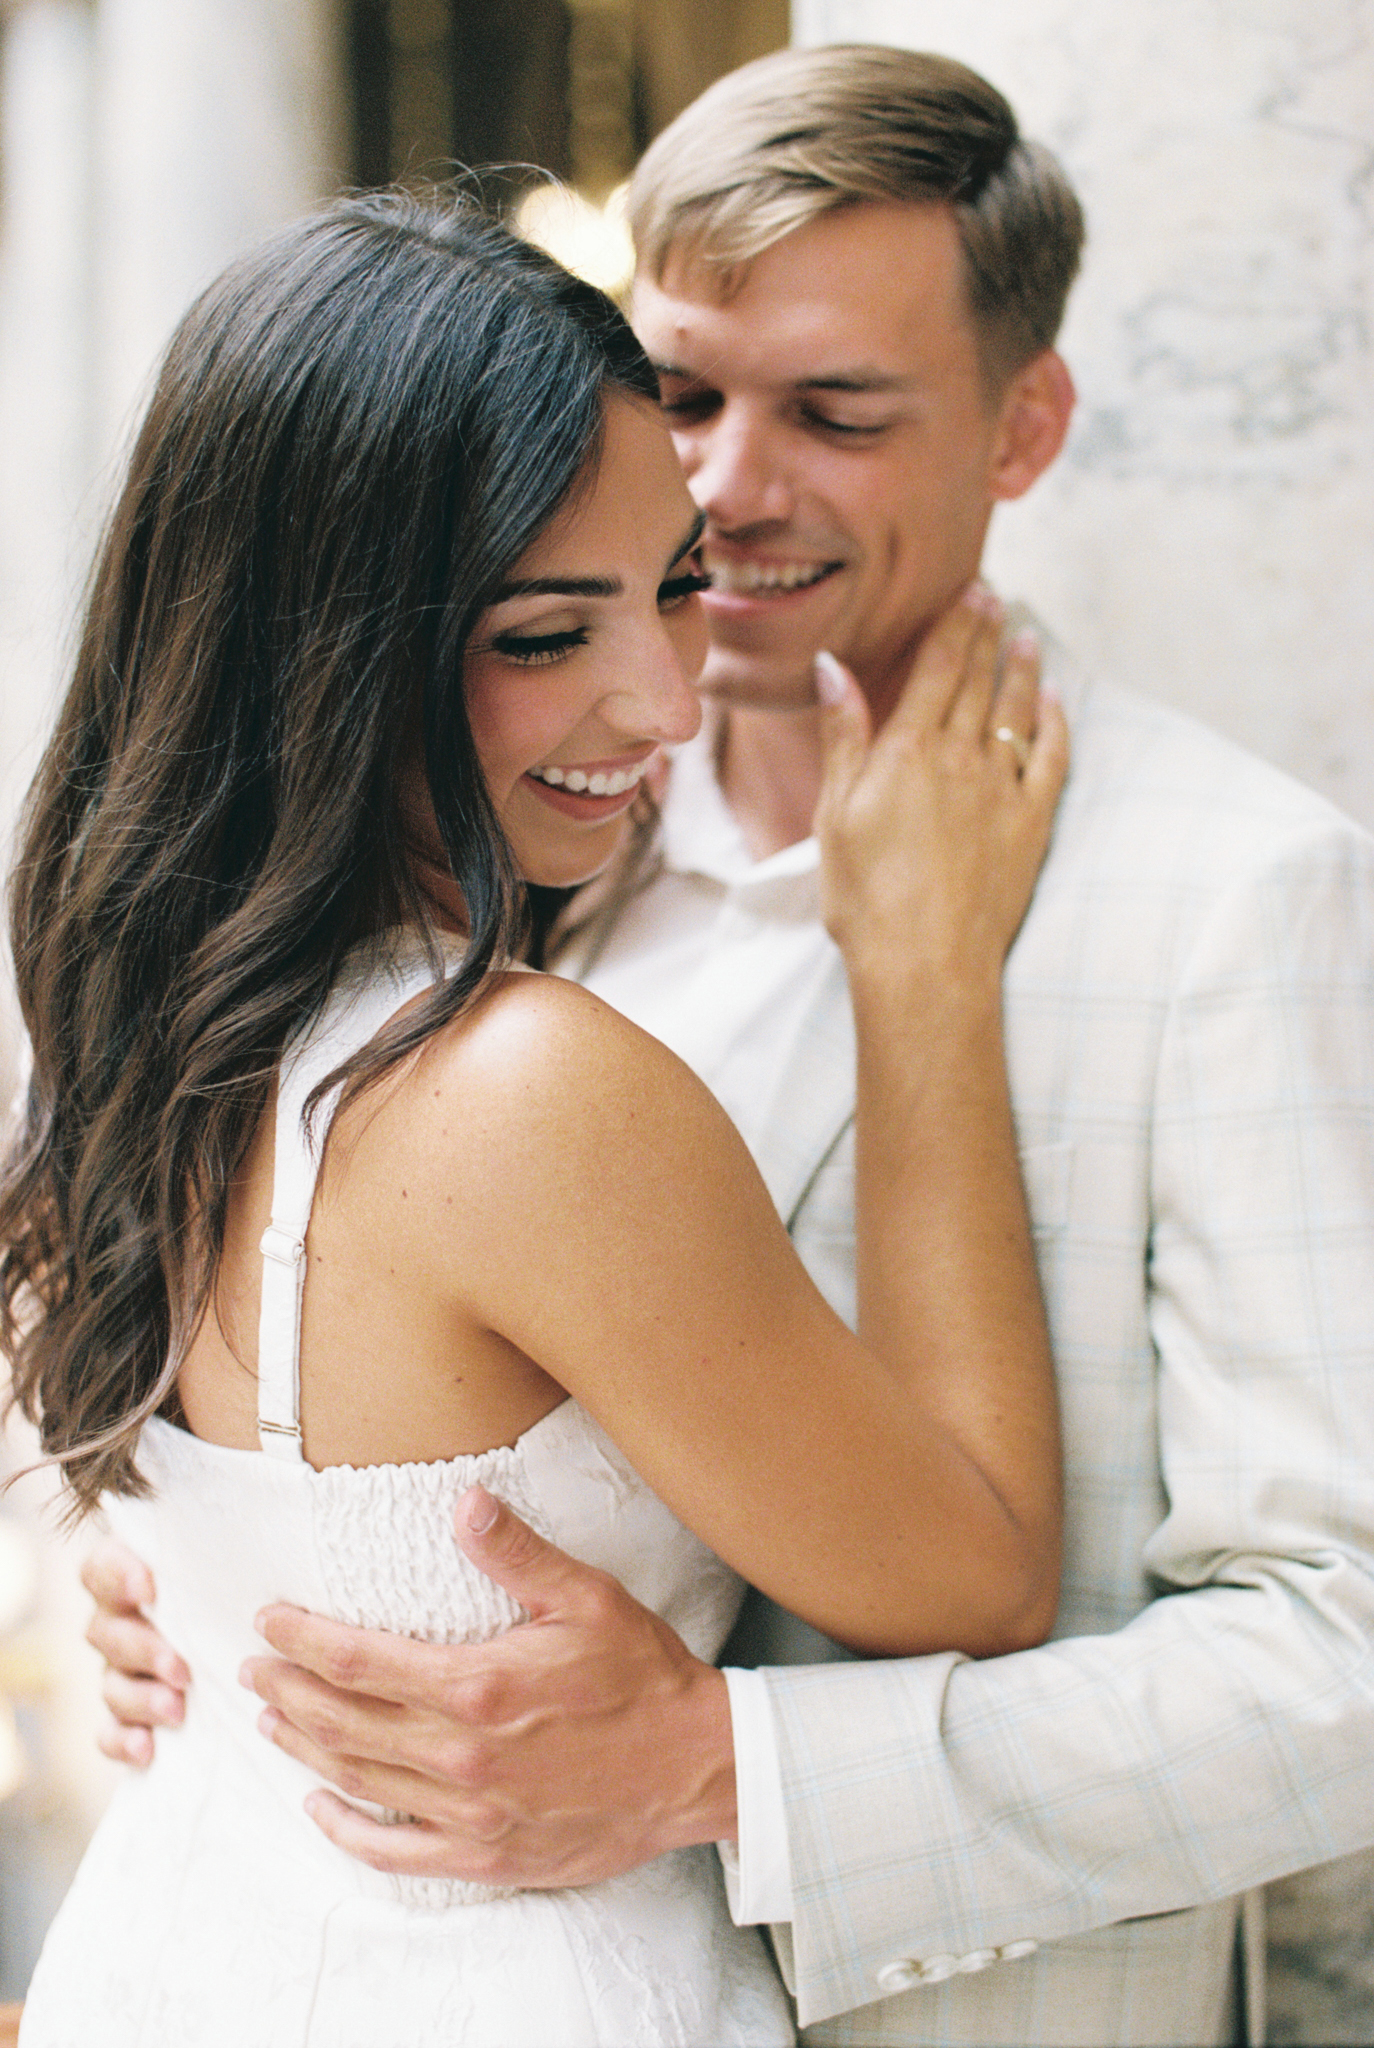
pixel 1190 1011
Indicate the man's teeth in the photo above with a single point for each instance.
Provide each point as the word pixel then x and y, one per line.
pixel 742 578
pixel 596 784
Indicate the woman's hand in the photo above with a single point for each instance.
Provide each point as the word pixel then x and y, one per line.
pixel 933 832
pixel 145 1680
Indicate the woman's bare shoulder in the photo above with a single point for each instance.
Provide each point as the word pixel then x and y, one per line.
pixel 541 1083
pixel 535 1041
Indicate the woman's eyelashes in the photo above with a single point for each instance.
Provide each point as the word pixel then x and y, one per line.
pixel 533 648
pixel 530 649
pixel 675 589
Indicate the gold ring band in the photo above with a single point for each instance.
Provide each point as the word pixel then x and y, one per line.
pixel 1021 748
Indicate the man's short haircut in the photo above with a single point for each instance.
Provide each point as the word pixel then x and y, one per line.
pixel 796 134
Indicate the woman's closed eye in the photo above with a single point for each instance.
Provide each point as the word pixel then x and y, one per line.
pixel 534 648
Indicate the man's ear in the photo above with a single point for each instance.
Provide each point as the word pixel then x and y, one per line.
pixel 1033 419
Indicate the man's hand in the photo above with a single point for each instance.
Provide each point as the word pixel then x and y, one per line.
pixel 145 1680
pixel 576 1745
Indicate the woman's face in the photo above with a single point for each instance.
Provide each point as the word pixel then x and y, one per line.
pixel 585 664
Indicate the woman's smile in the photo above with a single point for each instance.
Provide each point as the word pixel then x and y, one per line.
pixel 584 665
pixel 594 790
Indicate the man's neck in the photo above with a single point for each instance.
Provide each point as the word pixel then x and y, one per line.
pixel 769 767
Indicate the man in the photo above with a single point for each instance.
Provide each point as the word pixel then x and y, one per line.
pixel 851 275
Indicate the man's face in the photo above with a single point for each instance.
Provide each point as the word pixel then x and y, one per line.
pixel 835 428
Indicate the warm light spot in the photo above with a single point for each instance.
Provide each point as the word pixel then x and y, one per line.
pixel 591 241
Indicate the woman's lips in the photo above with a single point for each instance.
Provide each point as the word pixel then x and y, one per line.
pixel 591 791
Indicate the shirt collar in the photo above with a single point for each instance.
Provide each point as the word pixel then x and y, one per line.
pixel 701 835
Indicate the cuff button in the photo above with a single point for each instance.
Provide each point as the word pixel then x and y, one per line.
pixel 1012 1951
pixel 899 1976
pixel 976 1959
pixel 935 1969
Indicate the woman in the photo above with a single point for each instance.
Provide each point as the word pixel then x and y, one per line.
pixel 397 607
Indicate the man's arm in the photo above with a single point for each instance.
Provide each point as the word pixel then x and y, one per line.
pixel 1226 1735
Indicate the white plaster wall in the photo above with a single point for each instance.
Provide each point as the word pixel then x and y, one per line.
pixel 1209 532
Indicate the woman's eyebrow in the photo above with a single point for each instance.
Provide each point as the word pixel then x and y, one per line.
pixel 588 586
pixel 558 586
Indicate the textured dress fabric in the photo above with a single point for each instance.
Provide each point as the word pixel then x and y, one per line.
pixel 210 1912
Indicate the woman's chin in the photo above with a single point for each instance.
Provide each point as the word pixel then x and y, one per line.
pixel 569 866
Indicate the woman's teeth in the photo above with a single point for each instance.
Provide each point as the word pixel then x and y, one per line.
pixel 743 578
pixel 596 784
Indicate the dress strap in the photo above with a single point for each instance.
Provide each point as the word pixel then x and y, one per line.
pixel 366 996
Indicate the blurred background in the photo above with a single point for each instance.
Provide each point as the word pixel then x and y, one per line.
pixel 1207 535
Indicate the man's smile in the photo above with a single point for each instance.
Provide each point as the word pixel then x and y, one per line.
pixel 736 575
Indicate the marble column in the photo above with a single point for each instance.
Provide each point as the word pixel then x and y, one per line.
pixel 215 121
pixel 143 144
pixel 1209 531
pixel 45 99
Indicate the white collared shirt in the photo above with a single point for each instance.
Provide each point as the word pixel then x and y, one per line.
pixel 719 957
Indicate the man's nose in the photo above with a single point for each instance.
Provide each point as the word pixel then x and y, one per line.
pixel 737 472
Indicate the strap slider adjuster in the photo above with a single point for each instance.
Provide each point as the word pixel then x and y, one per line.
pixel 283 1247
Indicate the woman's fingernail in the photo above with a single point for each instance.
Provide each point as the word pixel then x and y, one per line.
pixel 268 1721
pixel 1026 643
pixel 831 687
pixel 246 1676
pixel 481 1511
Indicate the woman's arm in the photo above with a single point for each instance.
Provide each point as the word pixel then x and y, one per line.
pixel 901 1493
pixel 932 842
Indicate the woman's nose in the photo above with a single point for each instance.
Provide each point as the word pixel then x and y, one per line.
pixel 659 700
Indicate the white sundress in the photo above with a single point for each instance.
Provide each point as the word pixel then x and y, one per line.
pixel 209 1911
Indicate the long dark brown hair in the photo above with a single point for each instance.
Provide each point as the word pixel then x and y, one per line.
pixel 356 432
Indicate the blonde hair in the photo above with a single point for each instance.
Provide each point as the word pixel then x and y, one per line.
pixel 796 134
